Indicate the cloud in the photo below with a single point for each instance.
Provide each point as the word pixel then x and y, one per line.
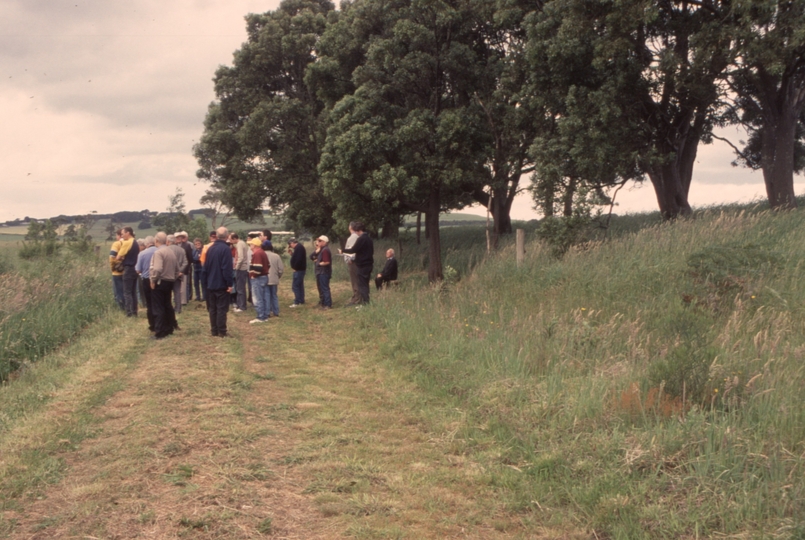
pixel 103 100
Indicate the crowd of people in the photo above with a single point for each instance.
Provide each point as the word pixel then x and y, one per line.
pixel 161 273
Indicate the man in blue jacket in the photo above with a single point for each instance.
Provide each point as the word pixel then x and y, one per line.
pixel 218 270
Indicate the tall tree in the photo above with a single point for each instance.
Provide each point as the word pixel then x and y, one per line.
pixel 513 117
pixel 769 81
pixel 641 76
pixel 407 139
pixel 263 136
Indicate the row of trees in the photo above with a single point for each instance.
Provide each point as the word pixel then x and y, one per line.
pixel 386 108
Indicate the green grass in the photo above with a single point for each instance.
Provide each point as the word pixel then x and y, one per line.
pixel 44 303
pixel 647 387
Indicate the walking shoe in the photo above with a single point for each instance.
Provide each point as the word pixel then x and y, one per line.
pixel 238 310
pixel 255 321
pixel 294 305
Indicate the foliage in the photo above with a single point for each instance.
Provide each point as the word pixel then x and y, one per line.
pixel 175 218
pixel 769 84
pixel 41 240
pixel 262 138
pixel 563 232
pixel 45 304
pixel 631 88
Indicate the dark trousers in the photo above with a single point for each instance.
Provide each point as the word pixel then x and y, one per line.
pixel 145 287
pixel 130 279
pixel 380 282
pixel 323 283
pixel 199 281
pixel 189 281
pixel 298 287
pixel 218 302
pixel 241 280
pixel 364 275
pixel 164 316
pixel 353 280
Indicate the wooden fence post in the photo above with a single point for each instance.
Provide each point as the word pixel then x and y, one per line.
pixel 520 246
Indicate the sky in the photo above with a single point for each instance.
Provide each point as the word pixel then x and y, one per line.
pixel 102 101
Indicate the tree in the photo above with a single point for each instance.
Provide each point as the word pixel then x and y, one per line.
pixel 408 138
pixel 769 82
pixel 513 117
pixel 632 87
pixel 175 219
pixel 214 208
pixel 262 138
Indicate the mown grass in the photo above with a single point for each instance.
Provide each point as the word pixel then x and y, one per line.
pixel 646 387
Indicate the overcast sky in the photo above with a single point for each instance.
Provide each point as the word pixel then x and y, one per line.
pixel 102 101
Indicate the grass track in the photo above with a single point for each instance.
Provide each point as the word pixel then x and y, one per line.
pixel 292 429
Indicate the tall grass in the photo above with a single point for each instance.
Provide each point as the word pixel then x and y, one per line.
pixel 646 387
pixel 44 303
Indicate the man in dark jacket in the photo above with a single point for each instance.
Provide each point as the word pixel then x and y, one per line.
pixel 364 251
pixel 218 270
pixel 299 266
pixel 389 272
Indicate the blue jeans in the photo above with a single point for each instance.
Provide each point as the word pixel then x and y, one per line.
pixel 273 301
pixel 117 289
pixel 261 296
pixel 298 287
pixel 323 282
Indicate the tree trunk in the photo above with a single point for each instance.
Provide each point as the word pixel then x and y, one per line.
pixel 777 158
pixel 434 241
pixel 501 210
pixel 391 229
pixel 672 179
pixel 418 227
pixel 568 198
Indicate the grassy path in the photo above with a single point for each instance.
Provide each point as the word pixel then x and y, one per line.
pixel 291 430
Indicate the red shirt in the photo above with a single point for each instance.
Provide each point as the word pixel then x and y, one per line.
pixel 259 257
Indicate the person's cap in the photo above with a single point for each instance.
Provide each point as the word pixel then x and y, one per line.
pixel 292 241
pixel 255 242
pixel 323 239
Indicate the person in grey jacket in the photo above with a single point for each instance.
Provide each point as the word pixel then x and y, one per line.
pixel 241 271
pixel 274 274
pixel 181 258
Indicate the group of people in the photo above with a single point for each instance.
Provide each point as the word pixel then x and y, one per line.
pixel 167 268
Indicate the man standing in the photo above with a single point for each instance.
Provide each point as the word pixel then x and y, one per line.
pixel 181 258
pixel 352 267
pixel 203 258
pixel 389 272
pixel 265 237
pixel 218 267
pixel 299 267
pixel 323 268
pixel 364 251
pixel 274 274
pixel 187 272
pixel 143 268
pixel 117 270
pixel 258 274
pixel 163 272
pixel 241 272
pixel 129 249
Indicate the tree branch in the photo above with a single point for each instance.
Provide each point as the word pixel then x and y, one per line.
pixel 737 151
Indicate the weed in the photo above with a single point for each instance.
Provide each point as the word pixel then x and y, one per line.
pixel 180 475
pixel 266 526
